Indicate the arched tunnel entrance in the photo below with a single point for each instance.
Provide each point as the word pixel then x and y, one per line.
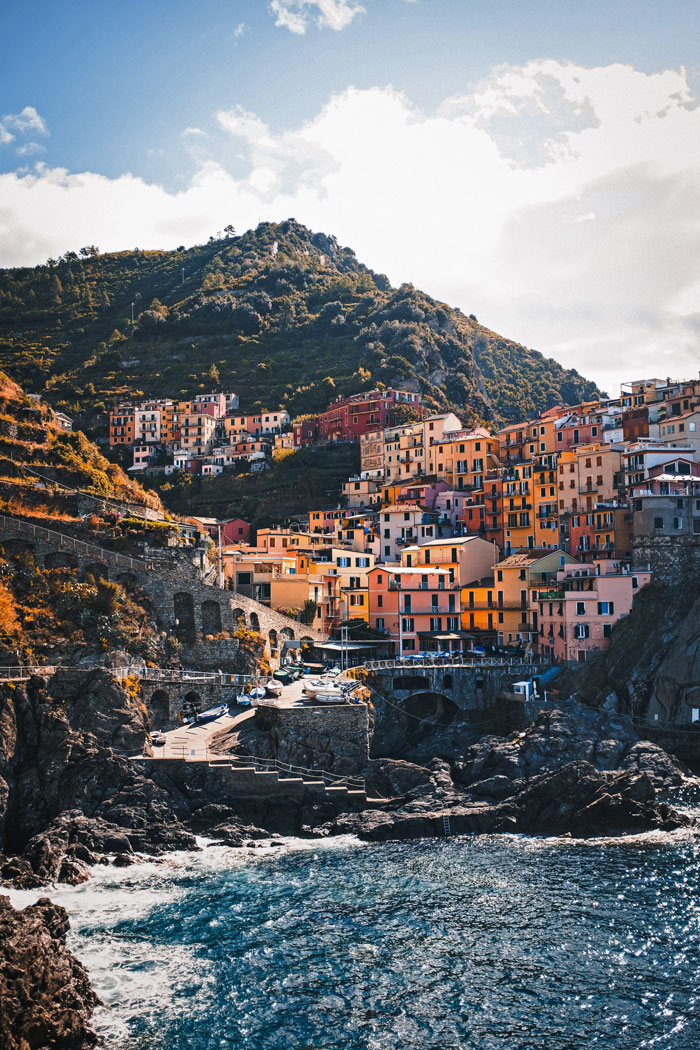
pixel 425 710
pixel 159 708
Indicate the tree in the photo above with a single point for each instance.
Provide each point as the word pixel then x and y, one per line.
pixel 229 230
pixel 213 376
pixel 89 251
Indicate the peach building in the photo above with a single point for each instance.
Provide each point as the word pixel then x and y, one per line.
pixel 418 609
pixel 578 611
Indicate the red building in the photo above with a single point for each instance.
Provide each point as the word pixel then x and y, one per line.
pixel 305 432
pixel 349 417
pixel 233 530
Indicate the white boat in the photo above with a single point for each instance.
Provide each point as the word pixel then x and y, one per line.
pixel 311 687
pixel 212 714
pixel 257 692
pixel 243 700
pixel 335 697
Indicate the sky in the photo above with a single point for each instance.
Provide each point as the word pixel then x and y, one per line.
pixel 536 163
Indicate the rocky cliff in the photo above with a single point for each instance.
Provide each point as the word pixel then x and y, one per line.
pixel 652 670
pixel 45 996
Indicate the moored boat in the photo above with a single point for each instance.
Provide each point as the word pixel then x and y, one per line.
pixel 211 714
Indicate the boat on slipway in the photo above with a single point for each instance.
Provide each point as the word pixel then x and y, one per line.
pixel 209 715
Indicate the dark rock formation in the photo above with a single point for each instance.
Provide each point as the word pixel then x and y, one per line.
pixel 67 796
pixel 45 996
pixel 652 669
pixel 575 799
pixel 555 738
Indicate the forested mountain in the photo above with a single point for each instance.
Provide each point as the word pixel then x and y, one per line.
pixel 281 315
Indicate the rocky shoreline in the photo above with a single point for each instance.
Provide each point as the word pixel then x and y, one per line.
pixel 70 798
pixel 45 994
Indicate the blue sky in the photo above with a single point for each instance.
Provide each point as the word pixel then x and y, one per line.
pixel 535 163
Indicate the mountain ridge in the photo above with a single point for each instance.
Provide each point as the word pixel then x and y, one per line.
pixel 281 315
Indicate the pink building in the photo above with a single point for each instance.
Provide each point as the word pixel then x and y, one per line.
pixel 418 609
pixel 577 614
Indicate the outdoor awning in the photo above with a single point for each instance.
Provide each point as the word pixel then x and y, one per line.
pixel 444 636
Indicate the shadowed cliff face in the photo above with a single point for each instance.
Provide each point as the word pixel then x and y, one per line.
pixel 62 768
pixel 45 996
pixel 653 665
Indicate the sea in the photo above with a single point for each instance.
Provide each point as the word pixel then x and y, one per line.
pixel 482 943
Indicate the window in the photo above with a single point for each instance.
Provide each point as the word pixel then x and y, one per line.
pixel 434 599
pixel 343 563
pixel 409 643
pixel 658 523
pixel 607 630
pixel 606 608
pixel 581 630
pixel 435 623
pixel 407 624
pixel 580 608
pixel 427 557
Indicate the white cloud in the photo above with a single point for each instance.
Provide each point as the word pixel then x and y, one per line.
pixel 560 204
pixel 296 15
pixel 240 29
pixel 14 124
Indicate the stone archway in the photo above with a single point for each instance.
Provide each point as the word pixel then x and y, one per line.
pixel 272 636
pixel 183 611
pixel 19 549
pixel 238 617
pixel 159 707
pixel 98 570
pixel 60 560
pixel 211 617
pixel 254 621
pixel 287 633
pixel 428 707
pixel 126 579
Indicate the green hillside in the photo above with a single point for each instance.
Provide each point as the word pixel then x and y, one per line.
pixel 280 315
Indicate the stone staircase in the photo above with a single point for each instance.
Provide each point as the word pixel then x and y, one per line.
pixel 269 778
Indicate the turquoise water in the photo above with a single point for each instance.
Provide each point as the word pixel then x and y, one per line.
pixel 478 943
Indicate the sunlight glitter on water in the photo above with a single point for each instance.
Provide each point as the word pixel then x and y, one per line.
pixel 500 943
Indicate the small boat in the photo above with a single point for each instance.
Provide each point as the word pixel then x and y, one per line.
pixel 211 714
pixel 257 692
pixel 311 687
pixel 327 689
pixel 243 700
pixel 285 677
pixel 334 697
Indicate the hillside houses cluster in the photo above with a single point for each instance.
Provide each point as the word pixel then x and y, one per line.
pixel 204 436
pixel 207 435
pixel 452 537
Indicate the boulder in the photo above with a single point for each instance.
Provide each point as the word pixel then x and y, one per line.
pixel 45 995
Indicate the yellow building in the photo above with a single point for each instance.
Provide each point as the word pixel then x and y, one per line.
pixel 479 608
pixel 545 504
pixel 518 515
pixel 462 458
pixel 519 578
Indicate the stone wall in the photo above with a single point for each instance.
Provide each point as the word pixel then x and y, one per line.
pixel 335 739
pixel 673 559
pixel 183 605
